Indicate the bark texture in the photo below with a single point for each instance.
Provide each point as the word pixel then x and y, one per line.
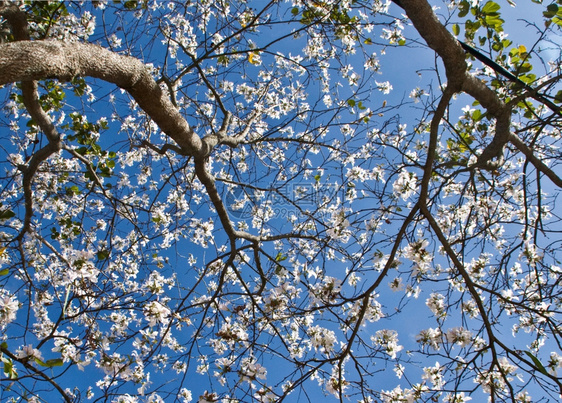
pixel 460 80
pixel 37 60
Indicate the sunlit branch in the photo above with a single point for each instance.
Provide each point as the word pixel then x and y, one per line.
pixel 537 162
pixel 162 150
pixel 464 274
pixel 25 60
pixel 18 21
pixel 38 373
pixel 368 294
pixel 209 182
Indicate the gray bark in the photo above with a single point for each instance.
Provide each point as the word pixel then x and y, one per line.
pixel 37 60
pixel 460 80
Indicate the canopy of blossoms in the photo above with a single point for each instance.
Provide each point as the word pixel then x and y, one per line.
pixel 257 201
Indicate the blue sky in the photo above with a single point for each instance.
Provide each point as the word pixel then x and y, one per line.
pixel 405 73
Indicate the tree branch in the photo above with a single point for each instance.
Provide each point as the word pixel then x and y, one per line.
pixel 209 182
pixel 36 60
pixel 537 163
pixel 18 22
pixel 37 372
pixel 437 37
pixel 453 56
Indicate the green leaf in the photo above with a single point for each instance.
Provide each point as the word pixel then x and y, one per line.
pixel 464 7
pixel 537 363
pixel 54 234
pixel 131 5
pixel 351 102
pixel 490 8
pixel 295 11
pixel 7 366
pixel 552 8
pixel 456 29
pixel 525 68
pixel 39 362
pixel 529 78
pixel 280 257
pixel 467 140
pixel 548 14
pixel 9 369
pixel 477 115
pixel 494 20
pixel 102 254
pixel 7 214
pixel 73 190
pixel 4 272
pixel 55 362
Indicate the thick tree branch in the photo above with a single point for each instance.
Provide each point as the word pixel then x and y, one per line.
pixel 530 91
pixel 496 108
pixel 437 37
pixel 30 95
pixel 31 102
pixel 433 142
pixel 447 47
pixel 26 60
pixel 16 18
pixel 452 53
pixel 453 56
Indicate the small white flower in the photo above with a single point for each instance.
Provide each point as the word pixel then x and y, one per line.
pixel 29 352
pixel 8 308
pixel 388 340
pixel 384 87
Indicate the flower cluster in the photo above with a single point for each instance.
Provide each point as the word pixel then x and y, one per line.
pixel 388 340
pixel 263 209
